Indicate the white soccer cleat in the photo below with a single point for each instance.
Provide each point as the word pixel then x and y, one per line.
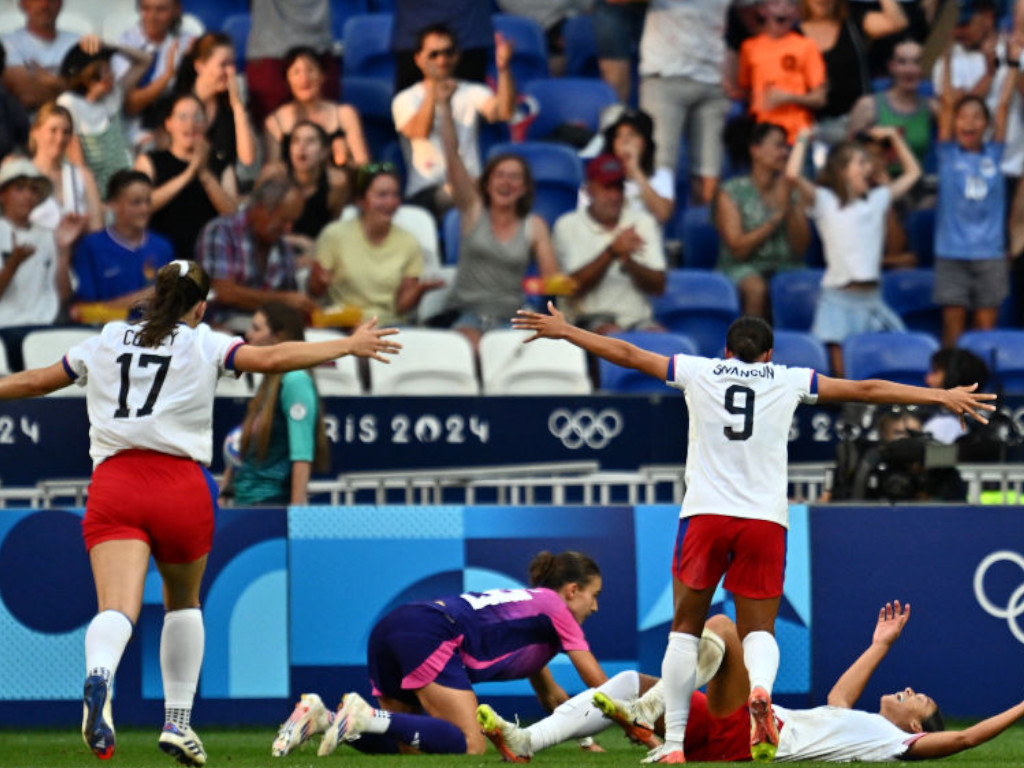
pixel 97 721
pixel 350 721
pixel 309 717
pixel 511 741
pixel 182 744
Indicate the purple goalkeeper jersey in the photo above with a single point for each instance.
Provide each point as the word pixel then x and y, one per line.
pixel 510 634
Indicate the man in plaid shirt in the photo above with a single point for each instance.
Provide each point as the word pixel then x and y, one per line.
pixel 249 260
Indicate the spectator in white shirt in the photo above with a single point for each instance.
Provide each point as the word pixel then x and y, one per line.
pixel 416 121
pixel 613 253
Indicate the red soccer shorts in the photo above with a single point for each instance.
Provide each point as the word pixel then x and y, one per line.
pixel 167 501
pixel 716 739
pixel 751 554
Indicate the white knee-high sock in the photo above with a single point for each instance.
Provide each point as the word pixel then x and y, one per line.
pixel 679 675
pixel 105 641
pixel 761 657
pixel 578 717
pixel 181 657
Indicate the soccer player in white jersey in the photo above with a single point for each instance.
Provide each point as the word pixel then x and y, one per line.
pixel 150 390
pixel 908 725
pixel 734 514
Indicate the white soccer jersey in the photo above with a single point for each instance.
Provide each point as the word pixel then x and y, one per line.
pixel 837 735
pixel 740 416
pixel 156 398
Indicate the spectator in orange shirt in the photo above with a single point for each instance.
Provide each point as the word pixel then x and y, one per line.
pixel 782 71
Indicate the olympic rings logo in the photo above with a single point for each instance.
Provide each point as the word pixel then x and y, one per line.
pixel 584 427
pixel 1015 605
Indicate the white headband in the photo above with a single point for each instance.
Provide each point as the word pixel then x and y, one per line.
pixel 182 267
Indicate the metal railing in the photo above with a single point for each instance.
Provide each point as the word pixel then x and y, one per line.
pixel 572 482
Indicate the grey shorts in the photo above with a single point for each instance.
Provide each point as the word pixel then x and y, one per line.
pixel 971 283
pixel 678 106
pixel 843 313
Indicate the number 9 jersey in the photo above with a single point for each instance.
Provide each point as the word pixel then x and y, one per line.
pixel 740 415
pixel 155 398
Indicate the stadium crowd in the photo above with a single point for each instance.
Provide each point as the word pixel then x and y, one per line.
pixel 618 150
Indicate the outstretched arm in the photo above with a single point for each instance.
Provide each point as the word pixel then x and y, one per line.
pixel 554 326
pixel 945 743
pixel 959 400
pixel 366 341
pixel 35 382
pixel 848 688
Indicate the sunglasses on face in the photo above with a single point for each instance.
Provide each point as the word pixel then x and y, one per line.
pixel 446 52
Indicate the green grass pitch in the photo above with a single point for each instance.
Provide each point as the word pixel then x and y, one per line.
pixel 243 748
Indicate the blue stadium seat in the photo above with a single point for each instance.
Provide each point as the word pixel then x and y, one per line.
pixel 814 256
pixel 700 238
pixel 909 293
pixel 1003 352
pixel 700 304
pixel 920 225
pixel 450 234
pixel 557 173
pixel 530 48
pixel 580 47
pixel 615 378
pixel 371 98
pixel 367 41
pixel 795 298
pixel 899 357
pixel 489 135
pixel 236 26
pixel 213 13
pixel 342 11
pixel 568 100
pixel 796 348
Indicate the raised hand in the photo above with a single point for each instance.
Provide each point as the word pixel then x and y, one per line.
pixel 70 229
pixel 892 617
pixel 550 326
pixel 965 400
pixel 503 50
pixel 367 340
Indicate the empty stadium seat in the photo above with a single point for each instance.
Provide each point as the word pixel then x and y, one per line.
pixel 794 296
pixel 795 348
pixel 237 26
pixel 342 11
pixel 920 225
pixel 529 48
pixel 580 47
pixel 371 98
pixel 909 293
pixel 542 367
pixel 615 378
pixel 45 347
pixel 700 304
pixel 901 357
pixel 557 174
pixel 339 377
pixel 576 101
pixel 1003 352
pixel 213 13
pixel 700 238
pixel 432 362
pixel 489 135
pixel 367 46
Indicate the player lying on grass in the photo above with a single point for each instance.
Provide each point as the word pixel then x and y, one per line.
pixel 908 725
pixel 735 512
pixel 424 657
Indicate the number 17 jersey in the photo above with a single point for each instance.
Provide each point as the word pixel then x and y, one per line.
pixel 155 398
pixel 740 415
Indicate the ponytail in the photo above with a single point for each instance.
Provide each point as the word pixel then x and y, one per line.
pixel 180 285
pixel 554 571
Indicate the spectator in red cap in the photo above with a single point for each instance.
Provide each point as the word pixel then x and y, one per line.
pixel 613 253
